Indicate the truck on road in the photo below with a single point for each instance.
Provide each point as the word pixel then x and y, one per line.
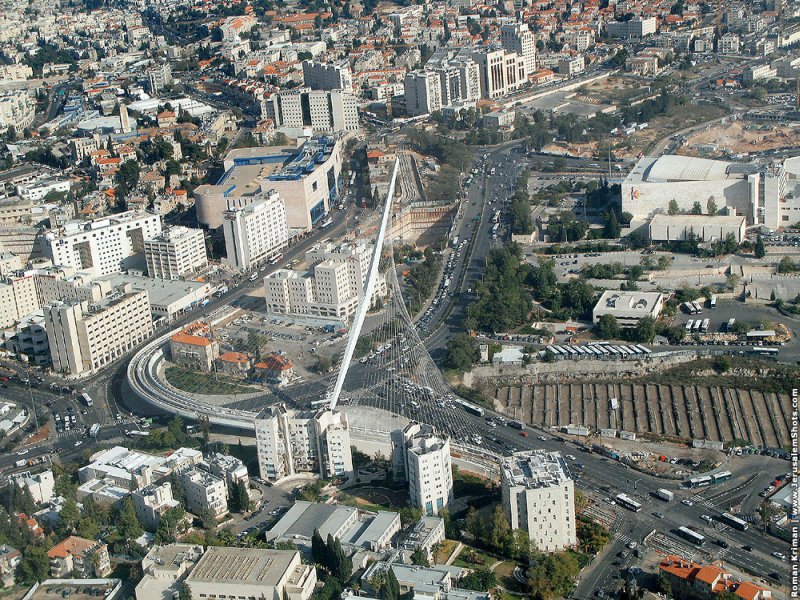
pixel 664 495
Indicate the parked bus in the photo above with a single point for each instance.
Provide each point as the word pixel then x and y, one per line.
pixel 628 503
pixel 703 481
pixel 731 323
pixel 87 399
pixel 689 324
pixel 697 307
pixel 712 303
pixel 734 522
pixel 704 326
pixel 722 476
pixel 517 425
pixel 690 535
pixel 697 324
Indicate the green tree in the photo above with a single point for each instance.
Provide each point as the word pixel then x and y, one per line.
pixel 696 209
pixel 499 529
pixel 68 517
pixel 317 547
pixel 645 329
pixel 474 524
pixel 612 228
pixel 128 525
pixel 711 206
pixel 481 580
pixel 673 208
pixel 760 251
pixel 419 557
pixel 168 524
pixel 462 352
pixel 34 566
pixel 607 327
pixel 185 592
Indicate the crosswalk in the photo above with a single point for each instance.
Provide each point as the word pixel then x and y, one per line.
pixel 624 538
pixel 703 501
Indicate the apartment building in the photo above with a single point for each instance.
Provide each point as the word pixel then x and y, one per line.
pixel 323 76
pixel 689 579
pixel 126 468
pixel 502 72
pixel 538 497
pixel 152 501
pixel 633 29
pixel 205 492
pixel 255 233
pixel 729 43
pixel 40 486
pixel 85 337
pixel 518 38
pixel 332 288
pixel 88 558
pixel 579 39
pixel 175 253
pixel 18 299
pixel 102 246
pixel 252 573
pixel 229 468
pixel 290 441
pixel 16 109
pixel 571 66
pixel 303 111
pixel 422 459
pixel 423 92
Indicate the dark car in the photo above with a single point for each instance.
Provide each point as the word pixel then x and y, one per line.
pixel 775 576
pixel 722 543
pixel 747 548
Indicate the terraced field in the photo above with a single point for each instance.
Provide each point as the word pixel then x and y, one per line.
pixel 668 411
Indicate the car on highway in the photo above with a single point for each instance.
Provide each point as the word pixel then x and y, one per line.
pixel 22 452
pixel 722 543
pixel 747 548
pixel 571 456
pixel 632 545
pixel 658 515
pixel 687 502
pixel 779 555
pixel 775 576
pixel 706 518
pixel 541 438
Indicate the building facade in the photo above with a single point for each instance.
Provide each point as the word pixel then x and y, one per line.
pixel 539 497
pixel 205 493
pixel 103 245
pixel 86 337
pixel 303 111
pixel 290 442
pixel 324 76
pixel 255 233
pixel 152 501
pixel 175 253
pixel 422 459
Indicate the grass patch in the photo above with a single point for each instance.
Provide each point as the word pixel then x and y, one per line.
pixel 195 382
pixel 468 484
pixel 472 558
pixel 444 551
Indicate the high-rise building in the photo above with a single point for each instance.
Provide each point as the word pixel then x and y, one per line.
pixel 85 337
pixel 205 492
pixel 518 37
pixel 175 253
pixel 460 81
pixel 332 288
pixel 322 76
pixel 502 72
pixel 539 497
pixel 634 28
pixel 422 459
pixel 423 91
pixel 104 245
pixel 290 441
pixel 303 111
pixel 255 233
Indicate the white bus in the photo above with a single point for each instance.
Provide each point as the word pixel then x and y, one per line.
pixel 734 522
pixel 690 535
pixel 712 303
pixel 704 326
pixel 87 399
pixel 628 503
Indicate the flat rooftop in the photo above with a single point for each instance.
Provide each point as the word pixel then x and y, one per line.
pixel 535 469
pixel 304 517
pixel 162 292
pixel 672 167
pixel 697 220
pixel 249 566
pixel 628 301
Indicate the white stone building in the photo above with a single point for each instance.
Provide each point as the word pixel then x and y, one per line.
pixel 518 37
pixel 103 245
pixel 422 459
pixel 175 253
pixel 628 307
pixel 323 76
pixel 85 337
pixel 255 233
pixel 635 28
pixel 303 111
pixel 152 501
pixel 539 497
pixel 290 441
pixel 204 492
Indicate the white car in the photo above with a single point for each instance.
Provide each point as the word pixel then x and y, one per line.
pixel 779 555
pixel 687 502
pixel 23 452
pixel 78 443
pixel 706 518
